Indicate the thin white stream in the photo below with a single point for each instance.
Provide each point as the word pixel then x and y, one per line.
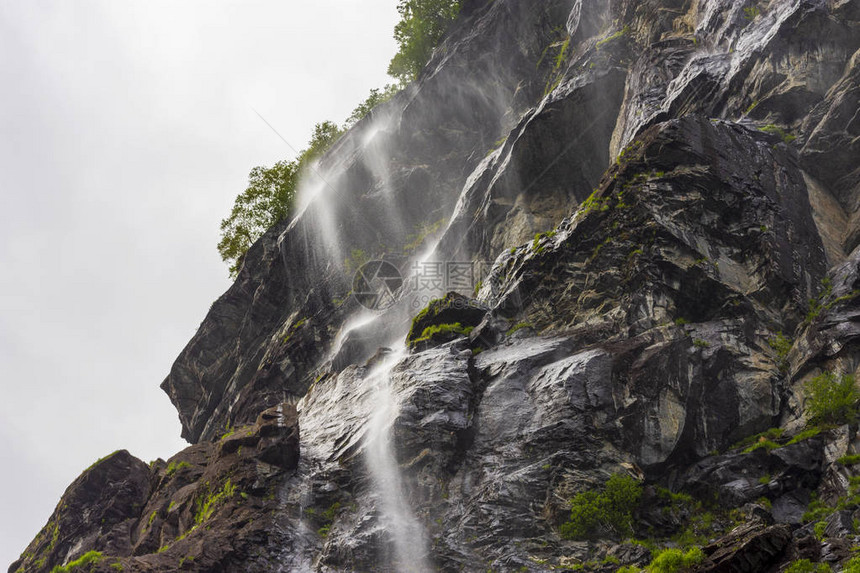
pixel 410 546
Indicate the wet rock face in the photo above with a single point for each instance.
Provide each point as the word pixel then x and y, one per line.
pixel 210 507
pixel 668 193
pixel 698 220
pixel 98 510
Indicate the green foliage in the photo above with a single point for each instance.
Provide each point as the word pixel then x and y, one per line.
pixel 327 518
pixel 422 24
pixel 518 326
pixel 830 399
pixel 852 566
pixel 431 331
pixel 816 305
pixel 849 460
pixel 804 435
pixel 229 430
pixel 782 345
pixel 771 434
pixel 377 96
pixel 751 12
pixel 595 203
pixel 776 130
pixel 699 343
pixel 269 198
pixel 610 509
pixel 173 467
pixel 818 530
pixel 206 504
pixel 762 443
pixel 556 75
pixel 424 312
pixel 816 510
pixel 675 561
pixel 681 321
pixel 619 34
pixel 807 566
pixel 88 558
pixel 540 237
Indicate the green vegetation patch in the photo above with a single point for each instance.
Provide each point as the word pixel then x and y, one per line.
pixel 442 330
pixel 173 467
pixel 776 130
pixel 269 198
pixel 88 558
pixel 849 460
pixel 206 504
pixel 619 34
pixel 421 27
pixel 807 566
pixel 831 399
pixel 610 509
pixel 670 561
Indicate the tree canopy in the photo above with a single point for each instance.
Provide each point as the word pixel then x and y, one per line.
pixel 422 24
pixel 271 192
pixel 269 198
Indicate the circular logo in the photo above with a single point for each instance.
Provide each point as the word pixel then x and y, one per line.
pixel 375 285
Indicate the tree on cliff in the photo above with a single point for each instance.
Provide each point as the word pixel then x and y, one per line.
pixel 422 24
pixel 269 198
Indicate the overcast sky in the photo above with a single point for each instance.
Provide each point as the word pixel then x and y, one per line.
pixel 126 131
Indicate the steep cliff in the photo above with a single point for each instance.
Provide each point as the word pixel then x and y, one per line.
pixel 666 194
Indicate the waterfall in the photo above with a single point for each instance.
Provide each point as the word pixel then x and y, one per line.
pixel 330 222
pixel 407 534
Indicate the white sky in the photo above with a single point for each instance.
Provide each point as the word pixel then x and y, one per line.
pixel 126 131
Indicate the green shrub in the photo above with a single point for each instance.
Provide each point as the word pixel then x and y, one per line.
pixel 807 566
pixel 771 434
pixel 269 198
pixel 782 345
pixel 610 509
pixel 849 460
pixel 751 12
pixel 422 24
pixel 818 530
pixel 804 435
pixel 88 558
pixel 852 566
pixel 675 561
pixel 173 467
pixel 619 34
pixel 762 443
pixel 206 504
pixel 776 130
pixel 377 96
pixel 817 304
pixel 831 400
pixel 816 510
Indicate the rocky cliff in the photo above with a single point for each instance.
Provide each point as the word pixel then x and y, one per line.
pixel 667 193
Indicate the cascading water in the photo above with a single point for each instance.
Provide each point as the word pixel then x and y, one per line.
pixel 330 224
pixel 407 534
